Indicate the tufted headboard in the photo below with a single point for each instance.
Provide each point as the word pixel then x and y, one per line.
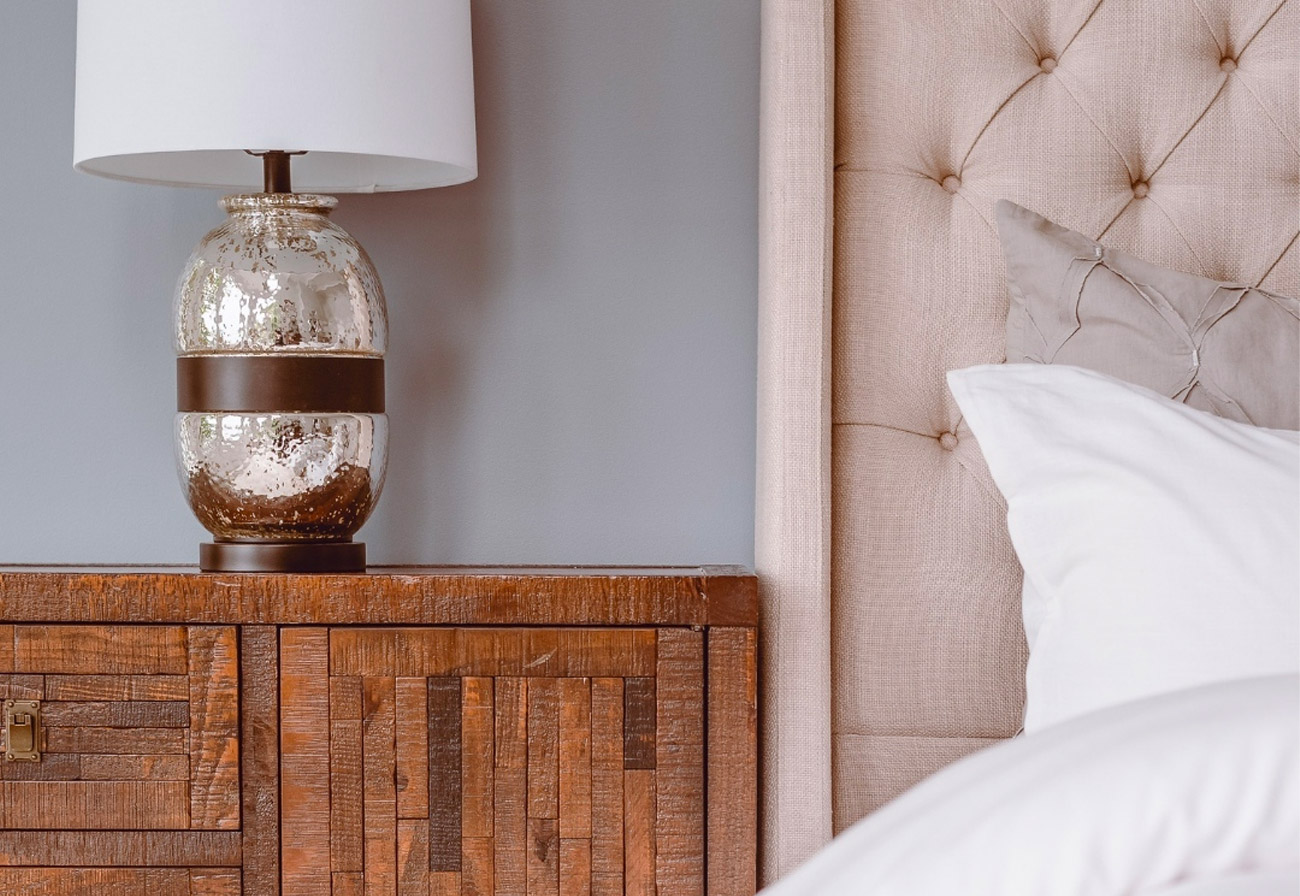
pixel 1166 128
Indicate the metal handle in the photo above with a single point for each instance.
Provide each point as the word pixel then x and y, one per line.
pixel 22 730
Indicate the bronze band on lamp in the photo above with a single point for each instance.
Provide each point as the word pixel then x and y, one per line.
pixel 247 556
pixel 280 383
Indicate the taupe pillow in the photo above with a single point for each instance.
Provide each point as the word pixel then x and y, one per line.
pixel 1226 348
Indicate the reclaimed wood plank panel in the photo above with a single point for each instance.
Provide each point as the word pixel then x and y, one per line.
pixel 117 714
pixel 214 727
pixel 679 763
pixel 304 761
pixel 477 751
pixel 348 883
pixel 543 748
pixel 96 881
pixel 259 646
pixel 6 648
pixel 102 649
pixel 413 750
pixel 99 767
pixel 510 787
pixel 22 687
pixel 639 723
pixel 476 867
pixel 607 786
pixel 444 883
pixel 547 652
pixel 214 882
pixel 733 761
pixel 345 697
pixel 347 788
pixel 575 866
pixel 575 758
pixel 117 687
pixel 386 596
pixel 52 767
pixel 132 741
pixel 94 805
pixel 412 856
pixel 109 848
pixel 379 792
pixel 639 832
pixel 444 696
pixel 543 856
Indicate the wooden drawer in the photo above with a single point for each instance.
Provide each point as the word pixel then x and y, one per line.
pixel 139 766
pixel 493 760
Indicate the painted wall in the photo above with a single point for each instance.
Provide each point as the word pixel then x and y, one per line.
pixel 571 368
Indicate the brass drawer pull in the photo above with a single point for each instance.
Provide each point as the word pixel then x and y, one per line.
pixel 22 730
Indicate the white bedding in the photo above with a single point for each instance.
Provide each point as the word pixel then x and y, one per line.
pixel 1195 793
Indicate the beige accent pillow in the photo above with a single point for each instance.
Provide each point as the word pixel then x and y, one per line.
pixel 1226 348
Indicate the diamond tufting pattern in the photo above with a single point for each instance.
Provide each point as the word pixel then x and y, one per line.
pixel 1169 129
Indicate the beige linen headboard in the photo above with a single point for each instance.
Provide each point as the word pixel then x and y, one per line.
pixel 1166 128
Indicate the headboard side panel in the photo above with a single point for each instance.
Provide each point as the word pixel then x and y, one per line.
pixel 1165 128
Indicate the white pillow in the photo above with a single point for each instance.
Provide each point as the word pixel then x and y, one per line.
pixel 1161 545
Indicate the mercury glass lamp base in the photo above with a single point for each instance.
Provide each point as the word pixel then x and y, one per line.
pixel 246 556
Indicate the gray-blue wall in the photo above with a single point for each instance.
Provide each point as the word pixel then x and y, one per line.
pixel 571 368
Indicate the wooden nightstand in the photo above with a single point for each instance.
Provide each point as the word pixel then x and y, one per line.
pixel 406 730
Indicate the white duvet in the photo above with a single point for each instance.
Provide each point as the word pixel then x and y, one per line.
pixel 1195 793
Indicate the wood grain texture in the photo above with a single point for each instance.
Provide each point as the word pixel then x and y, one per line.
pixel 543 748
pixel 639 723
pixel 607 786
pixel 108 848
pixel 733 761
pixel 347 840
pixel 476 866
pixel 347 883
pixel 412 749
pixel 538 652
pixel 639 832
pixel 260 758
pixel 100 649
pixel 94 881
pixel 444 883
pixel 679 763
pixel 543 856
pixel 6 648
pixel 117 687
pixel 385 596
pixel 304 762
pixel 22 687
pixel 379 790
pixel 132 741
pixel 478 747
pixel 214 882
pixel 510 786
pixel 100 767
pixel 444 696
pixel 114 714
pixel 575 867
pixel 412 857
pixel 94 805
pixel 58 767
pixel 575 758
pixel 214 727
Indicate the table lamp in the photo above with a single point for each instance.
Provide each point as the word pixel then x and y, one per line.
pixel 280 322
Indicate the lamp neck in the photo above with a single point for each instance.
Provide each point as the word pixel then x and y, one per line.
pixel 275 172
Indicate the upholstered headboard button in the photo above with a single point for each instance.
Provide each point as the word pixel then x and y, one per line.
pixel 952 183
pixel 1047 64
pixel 1227 64
pixel 1141 189
pixel 948 441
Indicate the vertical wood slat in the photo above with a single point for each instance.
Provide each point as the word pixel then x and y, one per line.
pixel 543 748
pixel 638 723
pixel 575 758
pixel 214 727
pixel 444 883
pixel 543 856
pixel 510 788
pixel 607 786
pixel 733 761
pixel 260 758
pixel 412 749
pixel 477 752
pixel 347 780
pixel 575 867
pixel 413 855
pixel 304 761
pixel 379 793
pixel 443 697
pixel 639 832
pixel 477 866
pixel 679 763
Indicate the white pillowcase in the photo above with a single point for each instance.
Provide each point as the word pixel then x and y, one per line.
pixel 1161 545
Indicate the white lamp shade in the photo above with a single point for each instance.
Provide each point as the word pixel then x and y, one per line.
pixel 380 93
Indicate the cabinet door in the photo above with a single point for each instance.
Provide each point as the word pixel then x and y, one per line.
pixel 137 733
pixel 492 760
